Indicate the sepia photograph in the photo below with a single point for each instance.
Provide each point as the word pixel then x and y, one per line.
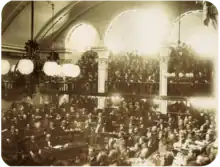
pixel 109 83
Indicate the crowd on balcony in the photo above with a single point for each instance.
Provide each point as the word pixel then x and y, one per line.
pixel 125 72
pixel 78 133
pixel 192 75
pixel 187 74
pixel 135 74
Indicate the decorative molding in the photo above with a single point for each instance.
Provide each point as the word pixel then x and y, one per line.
pixel 59 43
pixel 70 21
pixel 21 49
pixel 99 48
pixel 190 12
pixel 57 50
pixel 62 14
pixel 64 61
pixel 70 30
pixel 12 48
pixel 185 13
pixel 18 9
pixel 102 61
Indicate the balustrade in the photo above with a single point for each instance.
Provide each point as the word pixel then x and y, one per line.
pixel 189 89
pixel 71 87
pixel 147 88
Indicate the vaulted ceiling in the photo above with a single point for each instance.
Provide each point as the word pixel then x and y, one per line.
pixel 16 18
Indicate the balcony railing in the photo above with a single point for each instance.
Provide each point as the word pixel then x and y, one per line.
pixel 74 87
pixel 150 88
pixel 189 89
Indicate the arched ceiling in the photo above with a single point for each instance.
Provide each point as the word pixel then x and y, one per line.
pixel 10 11
pixel 16 17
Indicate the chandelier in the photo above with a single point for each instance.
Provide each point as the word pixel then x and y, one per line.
pixel 52 68
pixel 5 67
pixel 31 61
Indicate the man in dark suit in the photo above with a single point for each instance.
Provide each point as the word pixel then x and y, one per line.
pixel 92 157
pixel 33 151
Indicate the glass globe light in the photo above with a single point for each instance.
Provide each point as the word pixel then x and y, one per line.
pixel 50 68
pixel 59 71
pixel 25 66
pixel 5 67
pixel 70 70
pixel 180 74
pixel 76 71
pixel 67 69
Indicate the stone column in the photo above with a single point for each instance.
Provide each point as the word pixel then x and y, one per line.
pixel 164 57
pixel 103 54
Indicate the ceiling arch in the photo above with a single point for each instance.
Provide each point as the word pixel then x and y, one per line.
pixel 70 16
pixel 67 14
pixel 58 17
pixel 136 29
pixel 75 39
pixel 20 22
pixel 102 14
pixel 182 23
pixel 10 11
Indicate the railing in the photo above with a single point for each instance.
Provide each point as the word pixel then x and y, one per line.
pixel 189 89
pixel 10 89
pixel 150 88
pixel 78 87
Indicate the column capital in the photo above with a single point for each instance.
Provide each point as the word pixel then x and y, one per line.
pixel 165 52
pixel 102 61
pixel 103 52
pixel 99 49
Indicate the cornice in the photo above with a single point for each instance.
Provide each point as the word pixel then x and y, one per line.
pixel 12 15
pixel 20 49
pixel 10 48
pixel 99 48
pixel 57 50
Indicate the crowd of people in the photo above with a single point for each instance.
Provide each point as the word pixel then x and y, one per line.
pixel 123 133
pixel 193 75
pixel 129 130
pixel 130 71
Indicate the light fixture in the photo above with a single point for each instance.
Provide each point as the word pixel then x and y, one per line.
pixel 181 75
pixel 70 70
pixel 50 68
pixel 25 66
pixel 67 69
pixel 76 71
pixel 5 67
pixel 59 71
